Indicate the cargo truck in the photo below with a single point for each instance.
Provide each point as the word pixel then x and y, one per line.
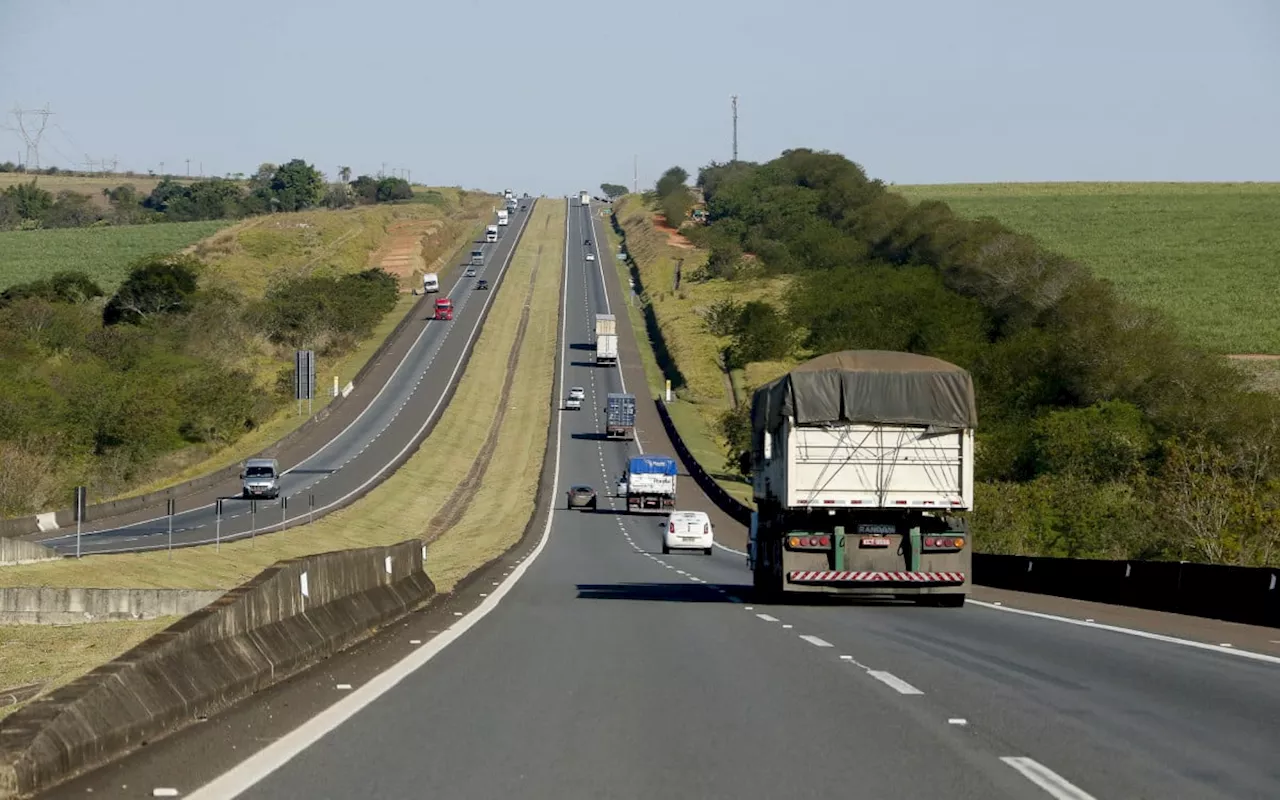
pixel 584 198
pixel 491 233
pixel 606 349
pixel 620 416
pixel 861 461
pixel 503 216
pixel 649 485
pixel 430 283
pixel 477 258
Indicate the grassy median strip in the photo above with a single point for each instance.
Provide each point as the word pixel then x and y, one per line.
pixel 405 503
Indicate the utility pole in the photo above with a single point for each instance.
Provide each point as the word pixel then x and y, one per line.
pixel 31 138
pixel 735 129
pixel 635 174
pixel 188 168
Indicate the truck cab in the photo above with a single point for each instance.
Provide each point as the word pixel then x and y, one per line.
pixel 260 478
pixel 477 258
pixel 444 309
pixel 491 233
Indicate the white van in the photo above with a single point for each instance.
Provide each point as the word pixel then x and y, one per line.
pixel 430 283
pixel 687 530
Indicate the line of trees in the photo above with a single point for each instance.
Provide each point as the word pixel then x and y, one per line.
pixel 673 197
pixel 292 186
pixel 1102 434
pixel 99 390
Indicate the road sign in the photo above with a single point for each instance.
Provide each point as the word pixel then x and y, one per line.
pixel 304 375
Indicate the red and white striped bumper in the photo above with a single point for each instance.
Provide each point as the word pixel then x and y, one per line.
pixel 832 576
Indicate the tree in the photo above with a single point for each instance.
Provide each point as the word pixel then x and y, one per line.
pixel 676 205
pixel 155 285
pixel 344 174
pixel 296 185
pixel 670 181
pixel 613 190
pixel 62 287
pixel 29 200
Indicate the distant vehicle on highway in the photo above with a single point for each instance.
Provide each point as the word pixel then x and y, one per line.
pixel 482 284
pixel 586 242
pixel 582 496
pixel 444 309
pixel 591 256
pixel 470 273
pixel 578 393
pixel 687 530
pixel 573 403
pixel 260 478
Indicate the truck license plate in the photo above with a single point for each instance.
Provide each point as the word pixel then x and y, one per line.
pixel 875 541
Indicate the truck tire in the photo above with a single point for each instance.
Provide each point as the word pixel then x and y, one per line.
pixel 666 551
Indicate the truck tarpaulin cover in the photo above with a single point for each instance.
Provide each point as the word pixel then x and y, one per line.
pixel 652 465
pixel 867 386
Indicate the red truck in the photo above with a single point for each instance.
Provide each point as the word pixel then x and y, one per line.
pixel 444 309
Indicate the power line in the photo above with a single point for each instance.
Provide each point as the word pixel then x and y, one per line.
pixel 30 139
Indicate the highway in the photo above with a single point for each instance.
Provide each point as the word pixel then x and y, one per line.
pixel 339 467
pixel 590 665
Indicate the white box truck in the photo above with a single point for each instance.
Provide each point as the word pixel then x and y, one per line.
pixel 607 349
pixel 430 283
pixel 491 233
pixel 860 462
pixel 606 323
pixel 584 197
pixel 503 216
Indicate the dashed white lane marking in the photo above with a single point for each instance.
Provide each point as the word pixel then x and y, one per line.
pixel 1053 783
pixel 342 687
pixel 816 641
pixel 893 682
pixel 957 721
pixel 767 618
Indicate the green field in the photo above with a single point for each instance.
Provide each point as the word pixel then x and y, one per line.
pixel 1204 253
pixel 104 253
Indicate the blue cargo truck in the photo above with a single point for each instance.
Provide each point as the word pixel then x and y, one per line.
pixel 620 416
pixel 650 485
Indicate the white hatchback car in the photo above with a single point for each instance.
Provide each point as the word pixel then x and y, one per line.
pixel 591 256
pixel 577 393
pixel 687 530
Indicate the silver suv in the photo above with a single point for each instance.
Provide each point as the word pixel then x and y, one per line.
pixel 260 478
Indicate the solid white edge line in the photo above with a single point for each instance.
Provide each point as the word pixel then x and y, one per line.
pixel 254 769
pixel 1157 637
pixel 893 682
pixel 475 329
pixel 1053 783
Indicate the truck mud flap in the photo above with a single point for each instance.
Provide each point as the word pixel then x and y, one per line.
pixel 840 578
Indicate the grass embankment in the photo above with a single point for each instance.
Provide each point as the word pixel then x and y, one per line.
pixel 469 489
pixel 53 655
pixel 406 504
pixel 1203 253
pixel 322 242
pixel 104 253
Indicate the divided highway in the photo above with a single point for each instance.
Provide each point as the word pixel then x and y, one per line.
pixel 355 458
pixel 595 666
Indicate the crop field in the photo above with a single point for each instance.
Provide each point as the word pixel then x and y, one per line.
pixel 104 253
pixel 1204 253
pixel 91 185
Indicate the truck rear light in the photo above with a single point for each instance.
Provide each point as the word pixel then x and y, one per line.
pixel 959 543
pixel 794 541
pixel 928 542
pixel 824 541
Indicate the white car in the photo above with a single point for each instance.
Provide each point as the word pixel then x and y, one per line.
pixel 687 530
pixel 591 256
pixel 573 403
pixel 577 393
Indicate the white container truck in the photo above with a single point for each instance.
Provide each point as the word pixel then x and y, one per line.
pixel 491 233
pixel 607 349
pixel 606 323
pixel 430 283
pixel 503 216
pixel 584 198
pixel 860 461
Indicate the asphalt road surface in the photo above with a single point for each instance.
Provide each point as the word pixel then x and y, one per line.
pixel 594 666
pixel 350 462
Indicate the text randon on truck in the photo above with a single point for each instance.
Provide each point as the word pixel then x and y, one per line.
pixel 861 461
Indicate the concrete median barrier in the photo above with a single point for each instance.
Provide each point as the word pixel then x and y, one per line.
pixel 290 616
pixel 16 551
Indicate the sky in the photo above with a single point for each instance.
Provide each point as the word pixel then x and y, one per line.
pixel 553 96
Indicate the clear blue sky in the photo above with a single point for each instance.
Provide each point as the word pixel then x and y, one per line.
pixel 551 96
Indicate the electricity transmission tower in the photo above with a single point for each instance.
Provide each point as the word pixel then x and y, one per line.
pixel 31 137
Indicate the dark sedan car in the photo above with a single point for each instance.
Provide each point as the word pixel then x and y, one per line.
pixel 482 284
pixel 582 496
